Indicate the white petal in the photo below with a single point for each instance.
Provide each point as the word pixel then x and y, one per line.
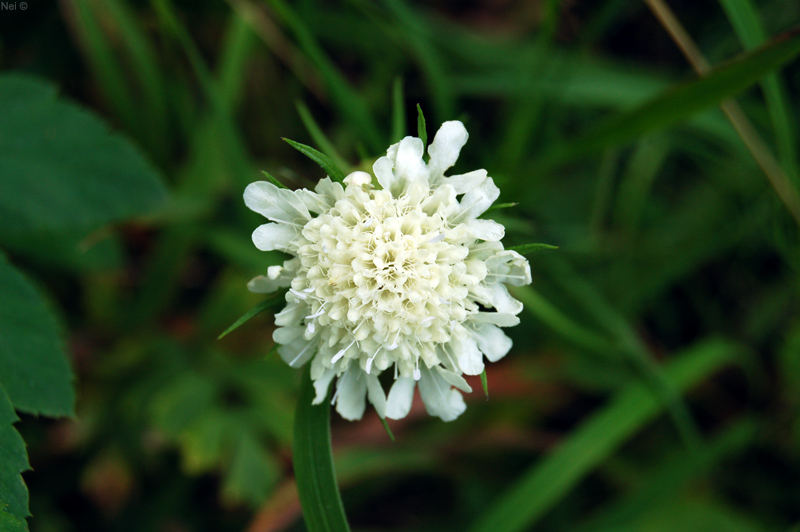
pixel 409 166
pixel 358 179
pixel 470 358
pixel 510 267
pixel 298 352
pixel 486 230
pixel 351 389
pixel 383 169
pixel 454 379
pixel 496 318
pixel 329 191
pixel 446 146
pixel 269 237
pixel 492 341
pixel 291 314
pixel 264 285
pixel 322 384
pixel 464 182
pixel 439 397
pixel 287 335
pixel 277 204
pixel 477 200
pixel 496 295
pixel 376 394
pixel 398 404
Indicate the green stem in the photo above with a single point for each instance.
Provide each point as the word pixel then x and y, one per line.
pixel 313 463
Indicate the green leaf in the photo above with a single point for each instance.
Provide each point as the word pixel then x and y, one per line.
pixel 253 472
pixel 527 249
pixel 629 411
pixel 321 159
pixel 62 168
pixel 319 137
pixel 680 102
pixel 33 363
pixel 13 460
pixel 500 206
pixel 422 131
pixel 273 180
pixel 386 427
pixel 313 463
pixel 485 383
pixel 258 309
pixel 10 523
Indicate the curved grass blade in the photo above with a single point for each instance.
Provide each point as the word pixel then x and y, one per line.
pixel 313 463
pixel 319 137
pixel 320 158
pixel 680 102
pixel 258 309
pixel 542 486
pixel 526 249
pixel 273 179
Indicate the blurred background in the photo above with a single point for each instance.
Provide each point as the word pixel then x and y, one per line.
pixel 654 382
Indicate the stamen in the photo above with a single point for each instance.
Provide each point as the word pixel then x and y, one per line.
pixel 369 362
pixel 443 301
pixel 311 327
pixel 295 359
pixel 417 373
pixel 341 353
pixel 297 294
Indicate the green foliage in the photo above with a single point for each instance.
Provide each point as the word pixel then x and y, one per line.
pixel 610 412
pixel 56 160
pixel 325 162
pixel 313 463
pixel 34 370
pixel 13 460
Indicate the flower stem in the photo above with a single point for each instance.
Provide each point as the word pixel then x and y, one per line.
pixel 313 463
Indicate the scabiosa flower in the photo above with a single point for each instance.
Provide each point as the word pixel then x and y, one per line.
pixel 402 277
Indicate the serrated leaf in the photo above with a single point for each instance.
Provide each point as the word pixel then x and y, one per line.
pixel 33 362
pixel 62 168
pixel 526 249
pixel 320 158
pixel 13 460
pixel 313 463
pixel 11 523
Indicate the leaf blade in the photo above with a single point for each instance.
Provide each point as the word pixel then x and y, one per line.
pixel 320 158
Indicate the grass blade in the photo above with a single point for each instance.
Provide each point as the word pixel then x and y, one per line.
pixel 258 309
pixel 320 158
pixel 681 102
pixel 319 137
pixel 548 481
pixel 527 249
pixel 313 463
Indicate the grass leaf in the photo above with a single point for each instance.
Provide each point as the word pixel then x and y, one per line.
pixel 321 159
pixel 313 463
pixel 258 309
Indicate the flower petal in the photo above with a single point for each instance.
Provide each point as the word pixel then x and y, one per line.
pixel 470 358
pixel 269 237
pixel 496 295
pixel 376 394
pixel 351 389
pixel 384 171
pixel 486 230
pixel 475 201
pixel 496 318
pixel 446 146
pixel 492 341
pixel 409 166
pixel 511 267
pixel 277 204
pixel 463 182
pixel 298 352
pixel 440 399
pixel 453 378
pixel 398 404
pixel 321 385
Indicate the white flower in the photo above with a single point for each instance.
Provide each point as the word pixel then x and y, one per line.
pixel 402 278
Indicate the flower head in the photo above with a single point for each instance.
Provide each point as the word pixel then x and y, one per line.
pixel 401 277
